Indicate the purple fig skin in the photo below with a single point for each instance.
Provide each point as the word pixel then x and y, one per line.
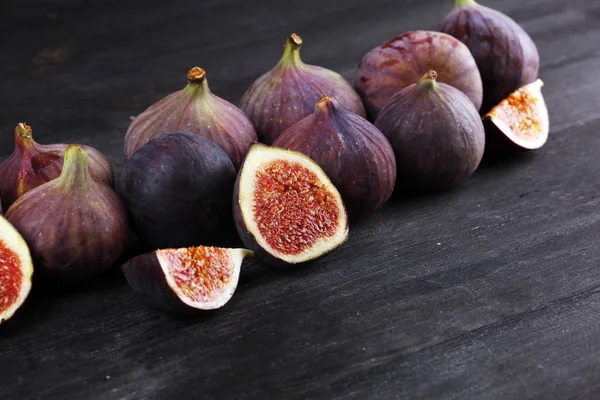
pixel 436 133
pixel 288 93
pixel 75 226
pixel 355 155
pixel 197 110
pixel 403 60
pixel 33 164
pixel 506 56
pixel 178 190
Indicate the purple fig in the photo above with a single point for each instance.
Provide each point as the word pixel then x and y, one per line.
pixel 178 190
pixel 285 207
pixel 33 164
pixel 287 93
pixel 506 56
pixel 403 60
pixel 75 226
pixel 197 110
pixel 353 153
pixel 436 133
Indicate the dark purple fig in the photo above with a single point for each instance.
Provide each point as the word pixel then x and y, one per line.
pixel 16 270
pixel 287 93
pixel 178 190
pixel 186 280
pixel 436 133
pixel 75 226
pixel 506 56
pixel 353 153
pixel 33 164
pixel 403 60
pixel 285 207
pixel 197 110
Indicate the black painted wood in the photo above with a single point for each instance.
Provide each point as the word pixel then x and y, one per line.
pixel 491 291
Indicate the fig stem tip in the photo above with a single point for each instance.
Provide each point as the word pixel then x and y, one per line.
pixel 295 41
pixel 462 3
pixel 196 75
pixel 23 130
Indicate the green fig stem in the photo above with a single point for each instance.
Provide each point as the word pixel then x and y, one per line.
pixel 197 83
pixel 464 3
pixel 75 172
pixel 23 137
pixel 428 81
pixel 291 54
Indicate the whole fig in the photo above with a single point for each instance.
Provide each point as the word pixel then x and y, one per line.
pixel 436 133
pixel 401 61
pixel 75 226
pixel 33 164
pixel 287 93
pixel 506 56
pixel 197 110
pixel 353 153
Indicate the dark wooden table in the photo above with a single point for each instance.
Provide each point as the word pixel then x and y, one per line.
pixel 491 291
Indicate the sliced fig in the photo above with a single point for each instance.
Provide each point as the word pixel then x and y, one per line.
pixel 16 269
pixel 521 120
pixel 286 208
pixel 186 279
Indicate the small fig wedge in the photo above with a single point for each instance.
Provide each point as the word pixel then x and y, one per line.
pixel 16 269
pixel 286 208
pixel 188 279
pixel 521 120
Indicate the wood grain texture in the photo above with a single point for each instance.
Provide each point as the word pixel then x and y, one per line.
pixel 490 291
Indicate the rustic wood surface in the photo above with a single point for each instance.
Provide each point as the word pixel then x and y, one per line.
pixel 490 291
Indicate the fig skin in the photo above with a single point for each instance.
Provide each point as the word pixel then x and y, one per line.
pixel 403 60
pixel 33 164
pixel 197 110
pixel 76 226
pixel 506 56
pixel 288 93
pixel 355 155
pixel 436 133
pixel 178 190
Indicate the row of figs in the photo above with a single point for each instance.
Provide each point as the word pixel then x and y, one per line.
pixel 196 180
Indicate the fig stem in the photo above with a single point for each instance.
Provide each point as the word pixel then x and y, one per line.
pixel 326 104
pixel 75 170
pixel 197 81
pixel 428 81
pixel 464 3
pixel 23 137
pixel 291 54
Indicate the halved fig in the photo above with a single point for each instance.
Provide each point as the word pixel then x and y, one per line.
pixel 286 208
pixel 16 269
pixel 186 279
pixel 521 120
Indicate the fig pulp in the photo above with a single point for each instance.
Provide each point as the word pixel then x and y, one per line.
pixel 506 56
pixel 16 269
pixel 197 110
pixel 519 121
pixel 436 133
pixel 178 189
pixel 187 279
pixel 287 93
pixel 75 226
pixel 33 164
pixel 353 153
pixel 286 208
pixel 402 61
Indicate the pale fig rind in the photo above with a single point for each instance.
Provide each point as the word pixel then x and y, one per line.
pixel 194 109
pixel 354 154
pixel 288 93
pixel 401 61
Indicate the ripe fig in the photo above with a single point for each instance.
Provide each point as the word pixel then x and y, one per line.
pixel 287 93
pixel 197 110
pixel 286 208
pixel 436 133
pixel 16 270
pixel 178 190
pixel 520 121
pixel 187 279
pixel 33 164
pixel 75 226
pixel 353 153
pixel 403 60
pixel 506 56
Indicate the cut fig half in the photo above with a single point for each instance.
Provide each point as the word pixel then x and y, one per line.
pixel 520 120
pixel 16 269
pixel 286 208
pixel 187 279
